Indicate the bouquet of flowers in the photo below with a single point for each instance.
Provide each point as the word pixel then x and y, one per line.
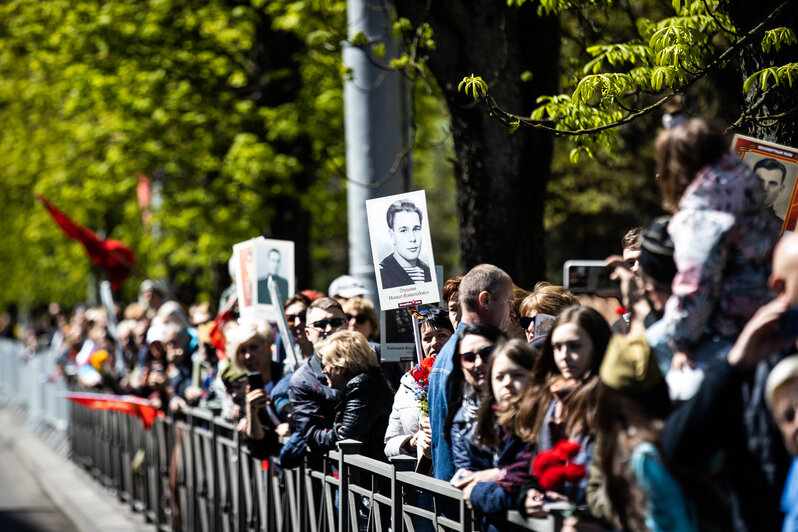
pixel 554 468
pixel 420 373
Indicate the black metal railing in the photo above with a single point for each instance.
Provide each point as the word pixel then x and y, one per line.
pixel 194 473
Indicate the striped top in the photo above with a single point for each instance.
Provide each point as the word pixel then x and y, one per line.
pixel 415 273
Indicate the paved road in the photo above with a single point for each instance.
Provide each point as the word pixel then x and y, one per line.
pixel 23 505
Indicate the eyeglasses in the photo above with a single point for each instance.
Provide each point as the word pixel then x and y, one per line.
pixel 332 322
pixel 359 318
pixel 526 321
pixel 291 319
pixel 471 356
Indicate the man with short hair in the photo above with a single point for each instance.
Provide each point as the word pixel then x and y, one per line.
pixel 630 247
pixel 176 341
pixel 311 397
pixel 486 296
pixel 296 308
pixel 772 173
pixel 404 267
pixel 630 244
pixel 273 260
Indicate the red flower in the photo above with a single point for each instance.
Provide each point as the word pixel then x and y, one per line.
pixel 554 468
pixel 420 372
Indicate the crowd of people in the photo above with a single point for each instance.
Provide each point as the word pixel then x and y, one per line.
pixel 679 415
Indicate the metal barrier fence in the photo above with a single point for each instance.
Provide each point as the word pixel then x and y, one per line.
pixel 195 472
pixel 25 386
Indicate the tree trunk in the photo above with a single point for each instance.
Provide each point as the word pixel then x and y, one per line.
pixel 501 178
pixel 779 100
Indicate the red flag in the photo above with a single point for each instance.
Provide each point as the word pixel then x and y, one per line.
pixel 134 406
pixel 114 257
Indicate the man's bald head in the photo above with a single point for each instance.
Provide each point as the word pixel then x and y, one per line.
pixel 784 279
pixel 486 296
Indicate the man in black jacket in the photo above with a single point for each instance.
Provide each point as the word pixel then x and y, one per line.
pixel 311 397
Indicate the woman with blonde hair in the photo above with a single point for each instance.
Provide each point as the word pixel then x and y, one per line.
pixel 249 348
pixel 547 299
pixel 351 366
pixel 362 318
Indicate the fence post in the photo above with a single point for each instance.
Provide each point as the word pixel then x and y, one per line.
pixel 345 447
pixel 401 463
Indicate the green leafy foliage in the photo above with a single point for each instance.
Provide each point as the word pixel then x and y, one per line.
pixel 473 84
pixel 777 37
pixel 783 75
pixel 233 110
pixel 226 107
pixel 623 62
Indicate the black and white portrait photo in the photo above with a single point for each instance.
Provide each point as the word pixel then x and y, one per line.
pixel 402 250
pixel 777 178
pixel 776 166
pixel 275 259
pixel 258 260
pixel 404 266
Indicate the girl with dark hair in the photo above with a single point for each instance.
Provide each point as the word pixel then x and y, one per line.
pixel 631 487
pixel 463 388
pixel 561 402
pixel 509 373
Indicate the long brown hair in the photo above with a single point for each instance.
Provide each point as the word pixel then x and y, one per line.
pixel 455 383
pixel 520 353
pixel 580 403
pixel 616 413
pixel 646 412
pixel 681 152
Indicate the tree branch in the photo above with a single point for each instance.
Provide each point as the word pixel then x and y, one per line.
pixel 509 118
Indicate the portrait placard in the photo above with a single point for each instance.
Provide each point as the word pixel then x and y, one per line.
pixel 401 248
pixel 257 260
pixel 777 167
pixel 244 254
pixel 397 338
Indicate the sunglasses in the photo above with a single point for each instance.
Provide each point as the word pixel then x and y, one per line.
pixel 332 322
pixel 291 319
pixel 359 318
pixel 543 323
pixel 471 356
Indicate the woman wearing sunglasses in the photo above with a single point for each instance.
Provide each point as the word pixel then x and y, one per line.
pixel 361 318
pixel 541 307
pixel 464 387
pixel 497 489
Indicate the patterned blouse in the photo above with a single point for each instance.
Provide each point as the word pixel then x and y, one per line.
pixel 723 240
